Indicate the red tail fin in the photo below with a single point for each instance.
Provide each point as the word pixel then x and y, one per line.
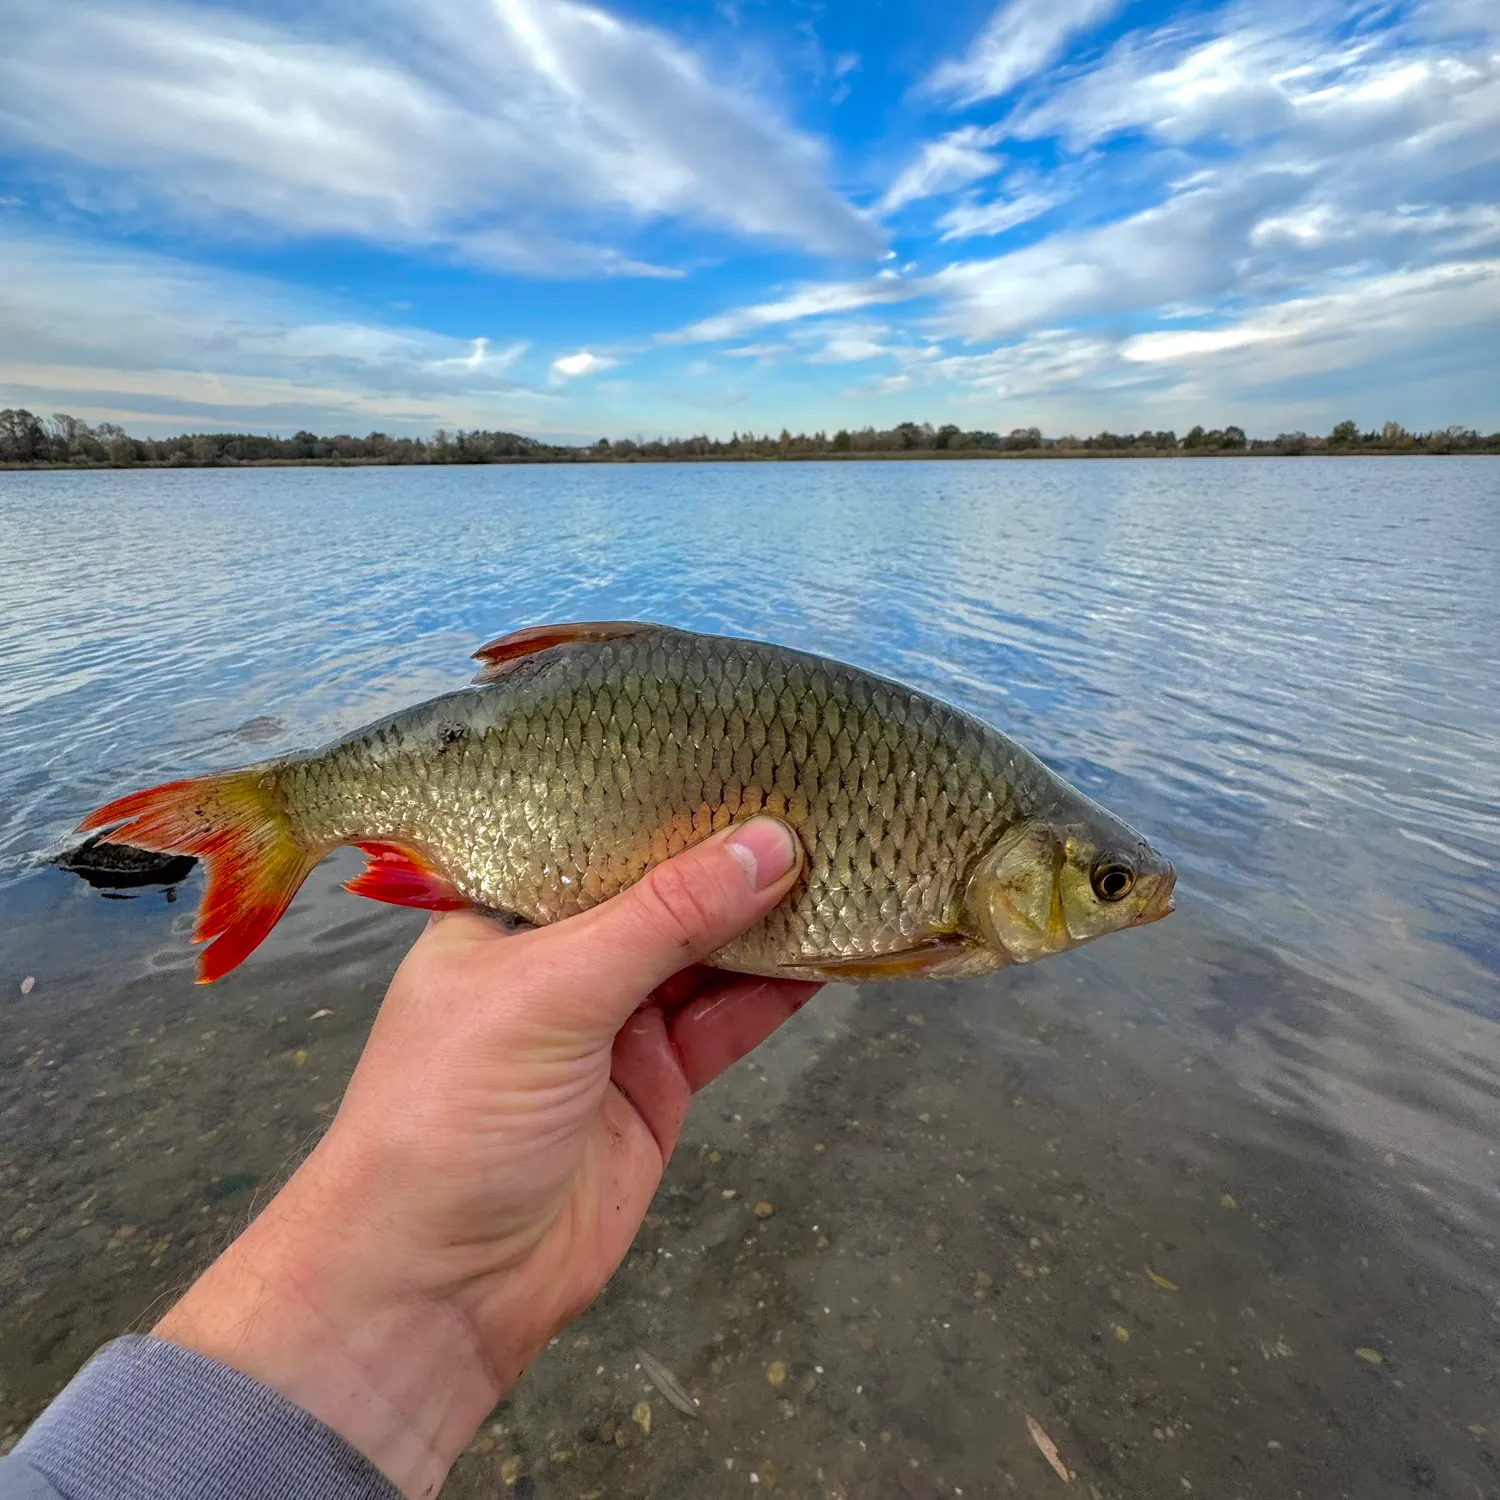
pixel 233 824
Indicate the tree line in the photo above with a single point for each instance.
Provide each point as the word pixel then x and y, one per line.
pixel 61 440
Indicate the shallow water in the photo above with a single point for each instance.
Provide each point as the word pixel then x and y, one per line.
pixel 1285 1101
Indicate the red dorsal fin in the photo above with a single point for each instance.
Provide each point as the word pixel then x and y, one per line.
pixel 500 656
pixel 402 876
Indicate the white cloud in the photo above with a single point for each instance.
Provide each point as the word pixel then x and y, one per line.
pixel 758 351
pixel 1339 329
pixel 1190 246
pixel 123 335
pixel 488 126
pixel 972 219
pixel 852 344
pixel 954 161
pixel 1356 148
pixel 1021 38
pixel 1318 225
pixel 570 366
pixel 1421 335
pixel 1296 77
pixel 815 300
pixel 481 357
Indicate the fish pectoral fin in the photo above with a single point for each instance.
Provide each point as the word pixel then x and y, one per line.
pixel 906 963
pixel 404 877
pixel 499 657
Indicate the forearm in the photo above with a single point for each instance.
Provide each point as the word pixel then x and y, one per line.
pixel 149 1420
pixel 298 1304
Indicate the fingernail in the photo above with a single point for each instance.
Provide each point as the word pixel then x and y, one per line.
pixel 766 848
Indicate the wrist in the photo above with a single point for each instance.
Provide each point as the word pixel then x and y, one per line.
pixel 399 1375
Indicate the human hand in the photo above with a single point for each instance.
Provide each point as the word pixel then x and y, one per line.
pixel 498 1145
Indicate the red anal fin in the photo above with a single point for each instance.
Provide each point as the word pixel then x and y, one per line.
pixel 906 963
pixel 403 877
pixel 500 656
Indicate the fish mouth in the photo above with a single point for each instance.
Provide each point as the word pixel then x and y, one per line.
pixel 1163 902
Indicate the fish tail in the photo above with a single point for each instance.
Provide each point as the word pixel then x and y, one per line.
pixel 235 825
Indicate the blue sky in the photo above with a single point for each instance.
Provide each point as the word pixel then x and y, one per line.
pixel 708 215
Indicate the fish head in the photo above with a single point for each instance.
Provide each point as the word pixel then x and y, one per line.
pixel 1066 878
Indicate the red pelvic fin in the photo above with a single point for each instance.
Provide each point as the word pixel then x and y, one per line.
pixel 500 656
pixel 400 875
pixel 908 963
pixel 232 823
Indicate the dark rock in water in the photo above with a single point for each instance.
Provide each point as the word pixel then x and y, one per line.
pixel 118 866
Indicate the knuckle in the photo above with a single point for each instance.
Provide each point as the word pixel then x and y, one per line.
pixel 677 908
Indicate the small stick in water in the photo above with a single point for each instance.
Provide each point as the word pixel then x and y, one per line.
pixel 1048 1449
pixel 664 1380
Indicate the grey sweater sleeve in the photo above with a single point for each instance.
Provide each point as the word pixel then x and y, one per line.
pixel 149 1420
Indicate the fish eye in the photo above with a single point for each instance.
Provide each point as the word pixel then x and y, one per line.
pixel 1112 880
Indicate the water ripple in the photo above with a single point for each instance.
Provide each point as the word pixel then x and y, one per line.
pixel 1287 673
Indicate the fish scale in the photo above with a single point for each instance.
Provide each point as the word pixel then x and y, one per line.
pixel 562 835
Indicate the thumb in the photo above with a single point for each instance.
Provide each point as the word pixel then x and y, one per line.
pixel 679 913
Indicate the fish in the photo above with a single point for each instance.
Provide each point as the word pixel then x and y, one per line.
pixel 584 754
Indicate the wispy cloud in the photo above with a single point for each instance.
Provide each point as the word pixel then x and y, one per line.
pixel 1339 328
pixel 497 127
pixel 1189 246
pixel 973 219
pixel 812 301
pixel 1355 149
pixel 1258 203
pixel 482 358
pixel 852 343
pixel 105 331
pixel 1022 37
pixel 953 161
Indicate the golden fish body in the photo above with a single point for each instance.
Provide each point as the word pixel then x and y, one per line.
pixel 584 755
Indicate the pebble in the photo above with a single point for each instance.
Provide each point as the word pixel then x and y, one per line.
pixel 776 1373
pixel 764 1210
pixel 510 1471
pixel 28 984
pixel 1370 1356
pixel 640 1414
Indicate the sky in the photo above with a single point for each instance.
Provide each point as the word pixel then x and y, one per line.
pixel 663 217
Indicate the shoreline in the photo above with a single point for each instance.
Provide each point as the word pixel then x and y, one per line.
pixel 948 455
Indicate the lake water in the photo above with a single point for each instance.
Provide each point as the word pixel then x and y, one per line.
pixel 1216 1202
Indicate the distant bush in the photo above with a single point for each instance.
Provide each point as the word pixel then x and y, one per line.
pixel 64 440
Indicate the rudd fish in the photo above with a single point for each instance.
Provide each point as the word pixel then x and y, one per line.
pixel 582 755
